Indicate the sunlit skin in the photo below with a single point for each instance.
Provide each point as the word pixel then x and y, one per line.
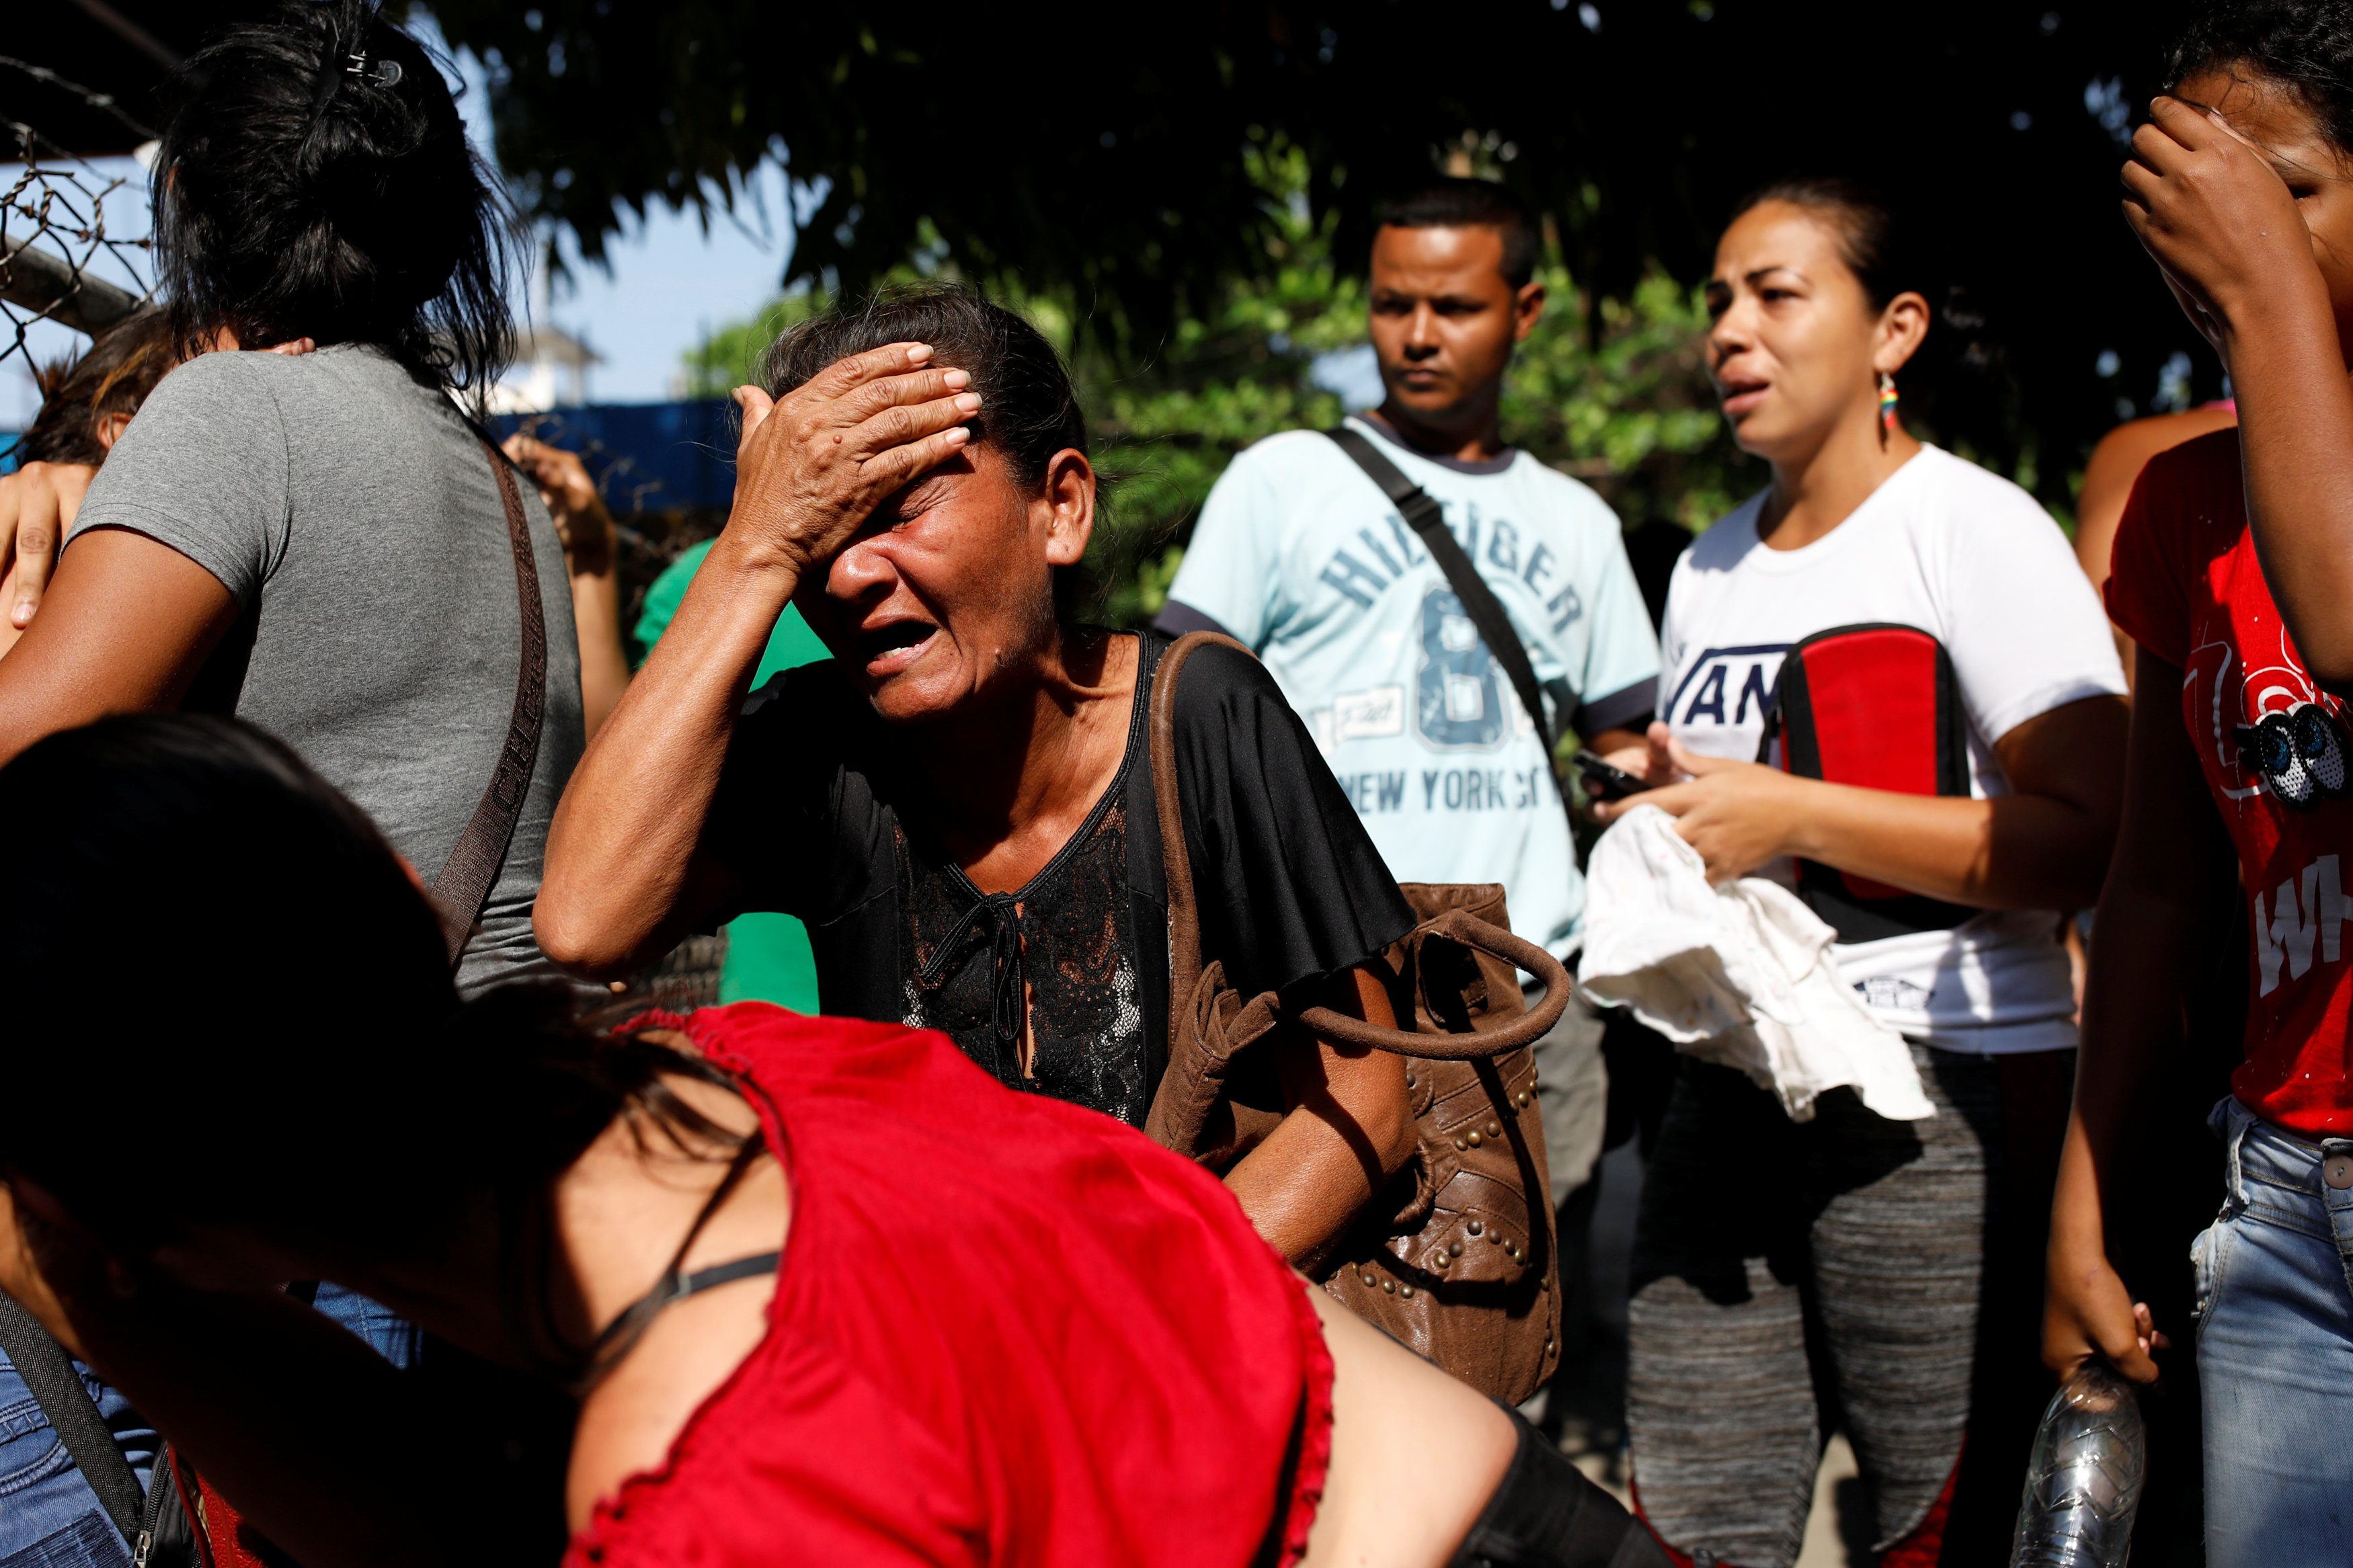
pixel 1796 351
pixel 1444 321
pixel 2247 207
pixel 945 591
pixel 2242 123
pixel 38 505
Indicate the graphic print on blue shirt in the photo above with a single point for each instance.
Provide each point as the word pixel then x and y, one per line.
pixel 1360 584
pixel 1728 686
pixel 1461 695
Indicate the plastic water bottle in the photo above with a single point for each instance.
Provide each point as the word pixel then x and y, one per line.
pixel 2084 1483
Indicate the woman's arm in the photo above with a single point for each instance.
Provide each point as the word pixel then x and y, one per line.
pixel 623 873
pixel 38 503
pixel 124 627
pixel 2173 866
pixel 592 557
pixel 1416 1453
pixel 1349 1129
pixel 2044 845
pixel 2229 233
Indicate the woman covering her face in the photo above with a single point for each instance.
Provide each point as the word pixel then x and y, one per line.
pixel 806 1314
pixel 960 803
pixel 2231 578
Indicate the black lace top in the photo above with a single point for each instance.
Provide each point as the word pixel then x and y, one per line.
pixel 1060 988
pixel 1068 938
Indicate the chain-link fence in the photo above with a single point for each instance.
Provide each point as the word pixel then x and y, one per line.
pixel 61 260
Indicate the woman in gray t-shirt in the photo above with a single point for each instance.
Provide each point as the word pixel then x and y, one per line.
pixel 314 537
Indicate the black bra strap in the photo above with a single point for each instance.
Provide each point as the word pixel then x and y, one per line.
pixel 725 1273
pixel 620 1336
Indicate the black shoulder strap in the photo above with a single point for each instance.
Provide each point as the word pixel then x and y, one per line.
pixel 42 1363
pixel 1479 602
pixel 467 877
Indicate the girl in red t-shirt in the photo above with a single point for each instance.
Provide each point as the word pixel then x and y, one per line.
pixel 823 1289
pixel 2232 569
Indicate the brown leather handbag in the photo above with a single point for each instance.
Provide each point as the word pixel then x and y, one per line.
pixel 1455 1258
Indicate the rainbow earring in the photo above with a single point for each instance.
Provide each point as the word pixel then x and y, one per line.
pixel 1886 406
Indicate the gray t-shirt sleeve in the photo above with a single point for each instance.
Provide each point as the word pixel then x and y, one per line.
pixel 204 468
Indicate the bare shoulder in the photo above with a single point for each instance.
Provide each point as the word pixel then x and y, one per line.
pixel 630 1421
pixel 2124 451
pixel 626 1207
pixel 1415 1454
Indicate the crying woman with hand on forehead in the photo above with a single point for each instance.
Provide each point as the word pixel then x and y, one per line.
pixel 960 803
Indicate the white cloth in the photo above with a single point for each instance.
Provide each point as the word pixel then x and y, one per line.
pixel 1972 560
pixel 1742 975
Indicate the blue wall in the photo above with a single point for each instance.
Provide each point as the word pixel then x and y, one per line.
pixel 649 456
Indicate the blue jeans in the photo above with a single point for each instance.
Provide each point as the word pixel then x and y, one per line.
pixel 49 1516
pixel 2275 1351
pixel 393 1337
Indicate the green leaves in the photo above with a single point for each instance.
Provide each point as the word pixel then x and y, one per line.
pixel 1121 169
pixel 1615 392
pixel 730 357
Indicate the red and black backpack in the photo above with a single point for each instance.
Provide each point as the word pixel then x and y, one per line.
pixel 1877 705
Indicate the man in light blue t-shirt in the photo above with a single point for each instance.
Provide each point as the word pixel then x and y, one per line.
pixel 1300 554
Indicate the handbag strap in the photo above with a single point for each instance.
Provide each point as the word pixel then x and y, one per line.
pixel 472 868
pixel 1428 519
pixel 1526 1029
pixel 42 1363
pixel 1187 964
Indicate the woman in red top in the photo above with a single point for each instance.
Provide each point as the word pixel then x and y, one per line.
pixel 2239 188
pixel 805 1310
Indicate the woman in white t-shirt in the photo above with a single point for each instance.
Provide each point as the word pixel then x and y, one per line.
pixel 1896 1263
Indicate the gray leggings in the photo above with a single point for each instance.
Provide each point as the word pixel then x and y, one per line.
pixel 1784 1272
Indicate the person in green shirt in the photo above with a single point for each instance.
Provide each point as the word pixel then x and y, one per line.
pixel 768 957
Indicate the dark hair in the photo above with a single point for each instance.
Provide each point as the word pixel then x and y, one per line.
pixel 318 182
pixel 114 376
pixel 1029 410
pixel 2303 46
pixel 234 1005
pixel 1474 204
pixel 1865 223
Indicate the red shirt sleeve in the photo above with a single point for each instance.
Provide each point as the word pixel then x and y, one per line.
pixel 2144 592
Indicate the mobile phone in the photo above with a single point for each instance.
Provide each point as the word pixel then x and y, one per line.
pixel 1604 780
